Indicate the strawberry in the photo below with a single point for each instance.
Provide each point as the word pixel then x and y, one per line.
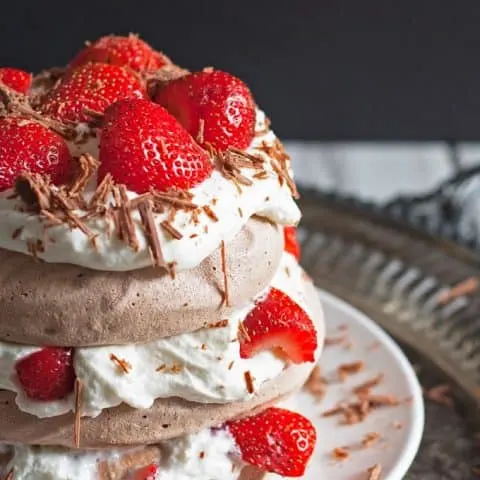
pixel 94 86
pixel 146 473
pixel 276 440
pixel 16 79
pixel 144 147
pixel 29 146
pixel 291 243
pixel 47 374
pixel 123 51
pixel 214 107
pixel 277 322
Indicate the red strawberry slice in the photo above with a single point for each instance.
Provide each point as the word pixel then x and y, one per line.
pixel 146 473
pixel 276 440
pixel 16 79
pixel 291 243
pixel 214 107
pixel 27 146
pixel 277 322
pixel 94 86
pixel 123 51
pixel 47 374
pixel 144 147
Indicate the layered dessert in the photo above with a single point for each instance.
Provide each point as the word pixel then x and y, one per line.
pixel 153 311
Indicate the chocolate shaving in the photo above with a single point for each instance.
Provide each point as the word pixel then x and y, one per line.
pixel 350 369
pixel 146 212
pixel 172 231
pixel 329 341
pixel 219 324
pixel 365 387
pixel 243 333
pixel 357 411
pixel 87 166
pixel 370 439
pixel 340 453
pixel 17 232
pixel 374 472
pixel 316 384
pixel 78 412
pixel 210 213
pixel 96 118
pixel 171 270
pixel 156 80
pixel 440 394
pixel 175 368
pixel 18 105
pixel 103 190
pixel 467 287
pixel 174 198
pixel 121 363
pixel 249 382
pixel 226 293
pixel 201 131
pixel 34 191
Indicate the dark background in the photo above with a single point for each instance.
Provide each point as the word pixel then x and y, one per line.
pixel 322 70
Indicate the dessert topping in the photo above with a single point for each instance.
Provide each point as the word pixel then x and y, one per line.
pixel 213 106
pixel 276 440
pixel 28 146
pixel 91 88
pixel 16 79
pixel 47 374
pixel 129 51
pixel 291 243
pixel 144 147
pixel 277 322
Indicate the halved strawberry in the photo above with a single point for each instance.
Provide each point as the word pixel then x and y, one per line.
pixel 128 51
pixel 276 440
pixel 277 322
pixel 27 146
pixel 94 86
pixel 47 374
pixel 291 243
pixel 146 473
pixel 214 107
pixel 16 79
pixel 144 147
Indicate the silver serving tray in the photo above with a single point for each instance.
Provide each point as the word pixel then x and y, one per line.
pixel 395 274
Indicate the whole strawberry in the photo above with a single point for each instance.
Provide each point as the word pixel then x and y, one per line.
pixel 16 79
pixel 27 146
pixel 276 440
pixel 277 322
pixel 94 87
pixel 128 51
pixel 47 374
pixel 144 147
pixel 291 243
pixel 213 106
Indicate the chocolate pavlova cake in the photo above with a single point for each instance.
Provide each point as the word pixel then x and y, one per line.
pixel 152 309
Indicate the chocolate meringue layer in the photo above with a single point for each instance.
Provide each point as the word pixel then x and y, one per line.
pixel 168 418
pixel 68 305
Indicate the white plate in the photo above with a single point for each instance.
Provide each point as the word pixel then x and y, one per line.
pixel 397 447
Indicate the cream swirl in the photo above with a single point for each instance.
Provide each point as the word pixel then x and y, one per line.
pixel 232 207
pixel 202 366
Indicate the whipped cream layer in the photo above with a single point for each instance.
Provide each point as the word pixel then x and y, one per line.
pixel 206 455
pixel 202 366
pixel 265 197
